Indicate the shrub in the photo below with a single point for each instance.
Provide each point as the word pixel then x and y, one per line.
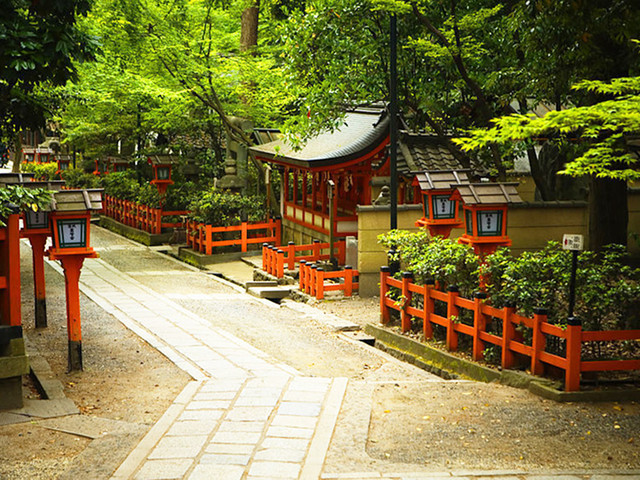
pixel 42 171
pixel 222 208
pixel 78 178
pixel 445 261
pixel 24 198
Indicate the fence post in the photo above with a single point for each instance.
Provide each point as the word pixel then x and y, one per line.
pixel 208 240
pixel 279 263
pixel 452 317
pixel 301 275
pixel 574 357
pixel 405 318
pixel 316 250
pixel 508 334
pixel 538 341
pixel 348 280
pixel 427 310
pixel 479 325
pixel 342 248
pixel 384 289
pixel 291 255
pixel 319 283
pixel 243 236
pixel 264 256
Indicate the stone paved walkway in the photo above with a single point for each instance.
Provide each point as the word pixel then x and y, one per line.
pixel 243 416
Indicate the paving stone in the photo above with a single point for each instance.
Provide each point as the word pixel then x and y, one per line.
pixel 204 405
pixel 222 386
pixel 258 392
pixel 286 443
pixel 289 432
pixel 178 447
pixel 202 415
pixel 212 402
pixel 308 384
pixel 217 472
pixel 250 413
pixel 225 459
pixel 303 409
pixel 192 427
pixel 229 448
pixel 225 397
pixel 163 469
pixel 294 421
pixel 280 454
pixel 256 401
pixel 237 437
pixel 303 396
pixel 242 427
pixel 275 469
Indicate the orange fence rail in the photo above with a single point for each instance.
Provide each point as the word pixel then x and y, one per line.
pixel 142 217
pixel 509 340
pixel 201 237
pixel 312 280
pixel 10 311
pixel 274 259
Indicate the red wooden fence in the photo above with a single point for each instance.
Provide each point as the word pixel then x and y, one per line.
pixel 136 215
pixel 312 280
pixel 275 258
pixel 200 237
pixel 509 340
pixel 10 312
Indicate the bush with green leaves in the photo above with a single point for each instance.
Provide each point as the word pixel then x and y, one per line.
pixel 78 178
pixel 24 199
pixel 607 289
pixel 223 208
pixel 42 171
pixel 445 261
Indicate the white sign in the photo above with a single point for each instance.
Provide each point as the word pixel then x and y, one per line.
pixel 573 242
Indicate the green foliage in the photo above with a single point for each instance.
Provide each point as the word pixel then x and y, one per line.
pixel 600 127
pixel 607 290
pixel 42 171
pixel 40 44
pixel 442 260
pixel 24 199
pixel 122 185
pixel 78 178
pixel 222 208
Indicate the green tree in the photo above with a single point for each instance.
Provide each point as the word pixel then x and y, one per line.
pixel 40 45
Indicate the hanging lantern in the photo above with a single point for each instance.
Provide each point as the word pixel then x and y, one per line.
pixel 441 212
pixel 485 213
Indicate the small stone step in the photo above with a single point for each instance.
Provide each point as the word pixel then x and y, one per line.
pixel 260 283
pixel 360 336
pixel 271 293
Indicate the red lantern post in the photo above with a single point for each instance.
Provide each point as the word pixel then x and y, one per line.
pixel 70 221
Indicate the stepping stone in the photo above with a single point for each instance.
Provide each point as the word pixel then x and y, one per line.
pixel 271 293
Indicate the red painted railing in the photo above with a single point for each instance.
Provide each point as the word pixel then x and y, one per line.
pixel 313 280
pixel 510 341
pixel 274 259
pixel 201 237
pixel 142 217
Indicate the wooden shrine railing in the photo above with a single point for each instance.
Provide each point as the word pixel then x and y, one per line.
pixel 313 280
pixel 509 340
pixel 275 258
pixel 142 217
pixel 202 237
pixel 10 312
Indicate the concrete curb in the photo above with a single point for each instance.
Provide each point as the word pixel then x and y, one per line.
pixel 139 236
pixel 450 367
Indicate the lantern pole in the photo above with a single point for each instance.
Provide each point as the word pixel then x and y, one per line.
pixel 393 124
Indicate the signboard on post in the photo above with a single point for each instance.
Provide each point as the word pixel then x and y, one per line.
pixel 573 242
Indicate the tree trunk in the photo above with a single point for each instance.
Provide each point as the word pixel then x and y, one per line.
pixel 17 154
pixel 608 212
pixel 249 27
